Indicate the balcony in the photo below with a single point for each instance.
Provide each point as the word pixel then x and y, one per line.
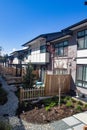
pixel 39 58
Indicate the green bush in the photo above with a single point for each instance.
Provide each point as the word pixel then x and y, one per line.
pixel 28 79
pixel 73 100
pixel 62 100
pixel 85 105
pixel 47 101
pixel 4 126
pixel 69 103
pixel 79 103
pixel 78 108
pixel 47 108
pixel 52 104
pixel 67 98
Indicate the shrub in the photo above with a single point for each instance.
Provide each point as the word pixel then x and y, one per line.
pixel 47 108
pixel 62 101
pixel 47 101
pixel 4 126
pixel 78 108
pixel 52 104
pixel 79 103
pixel 28 79
pixel 69 103
pixel 73 100
pixel 85 106
pixel 67 98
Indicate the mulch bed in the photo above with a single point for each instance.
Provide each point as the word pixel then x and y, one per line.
pixel 42 116
pixel 37 112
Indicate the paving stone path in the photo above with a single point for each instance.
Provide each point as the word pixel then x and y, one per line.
pixel 8 110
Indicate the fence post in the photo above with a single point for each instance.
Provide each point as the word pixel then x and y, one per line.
pixel 21 95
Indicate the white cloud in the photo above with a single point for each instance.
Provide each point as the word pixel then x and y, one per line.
pixel 14 49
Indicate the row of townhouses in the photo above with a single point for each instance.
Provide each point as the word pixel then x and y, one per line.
pixel 63 52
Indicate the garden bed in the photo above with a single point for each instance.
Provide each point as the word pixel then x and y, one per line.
pixel 48 110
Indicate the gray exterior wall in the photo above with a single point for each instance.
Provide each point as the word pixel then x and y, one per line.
pixel 71 59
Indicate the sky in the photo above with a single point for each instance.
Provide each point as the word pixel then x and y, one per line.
pixel 23 20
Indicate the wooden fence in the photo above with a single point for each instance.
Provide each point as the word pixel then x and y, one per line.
pixel 27 94
pixel 12 74
pixel 53 82
pixel 7 71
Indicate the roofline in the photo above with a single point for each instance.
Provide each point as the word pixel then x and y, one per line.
pixel 64 30
pixel 76 24
pixel 32 40
pixel 17 51
pixel 42 35
pixel 63 33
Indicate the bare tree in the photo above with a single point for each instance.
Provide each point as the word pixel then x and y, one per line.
pixel 62 63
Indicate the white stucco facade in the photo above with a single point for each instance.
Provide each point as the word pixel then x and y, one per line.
pixel 15 60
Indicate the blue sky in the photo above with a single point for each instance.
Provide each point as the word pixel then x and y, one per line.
pixel 22 20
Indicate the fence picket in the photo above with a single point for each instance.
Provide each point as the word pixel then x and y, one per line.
pixel 26 94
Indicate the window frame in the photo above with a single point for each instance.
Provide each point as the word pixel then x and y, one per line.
pixel 81 81
pixel 62 45
pixel 84 36
pixel 29 51
pixel 43 49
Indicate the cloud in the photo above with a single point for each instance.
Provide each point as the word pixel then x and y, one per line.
pixel 14 49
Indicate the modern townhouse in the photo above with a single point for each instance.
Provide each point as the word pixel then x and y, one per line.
pixel 71 54
pixel 38 54
pixel 62 52
pixel 16 60
pixel 80 33
pixel 17 57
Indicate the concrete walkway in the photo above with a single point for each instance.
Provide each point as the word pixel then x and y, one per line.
pixel 75 122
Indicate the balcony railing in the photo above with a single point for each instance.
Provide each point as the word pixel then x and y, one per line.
pixel 38 58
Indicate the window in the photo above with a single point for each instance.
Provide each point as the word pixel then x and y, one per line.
pixel 29 52
pixel 80 34
pixel 79 73
pixel 86 32
pixel 61 49
pixel 85 41
pixel 43 49
pixel 80 43
pixel 82 39
pixel 81 78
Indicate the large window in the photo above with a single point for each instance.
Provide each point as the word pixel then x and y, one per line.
pixel 81 78
pixel 61 49
pixel 43 49
pixel 82 39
